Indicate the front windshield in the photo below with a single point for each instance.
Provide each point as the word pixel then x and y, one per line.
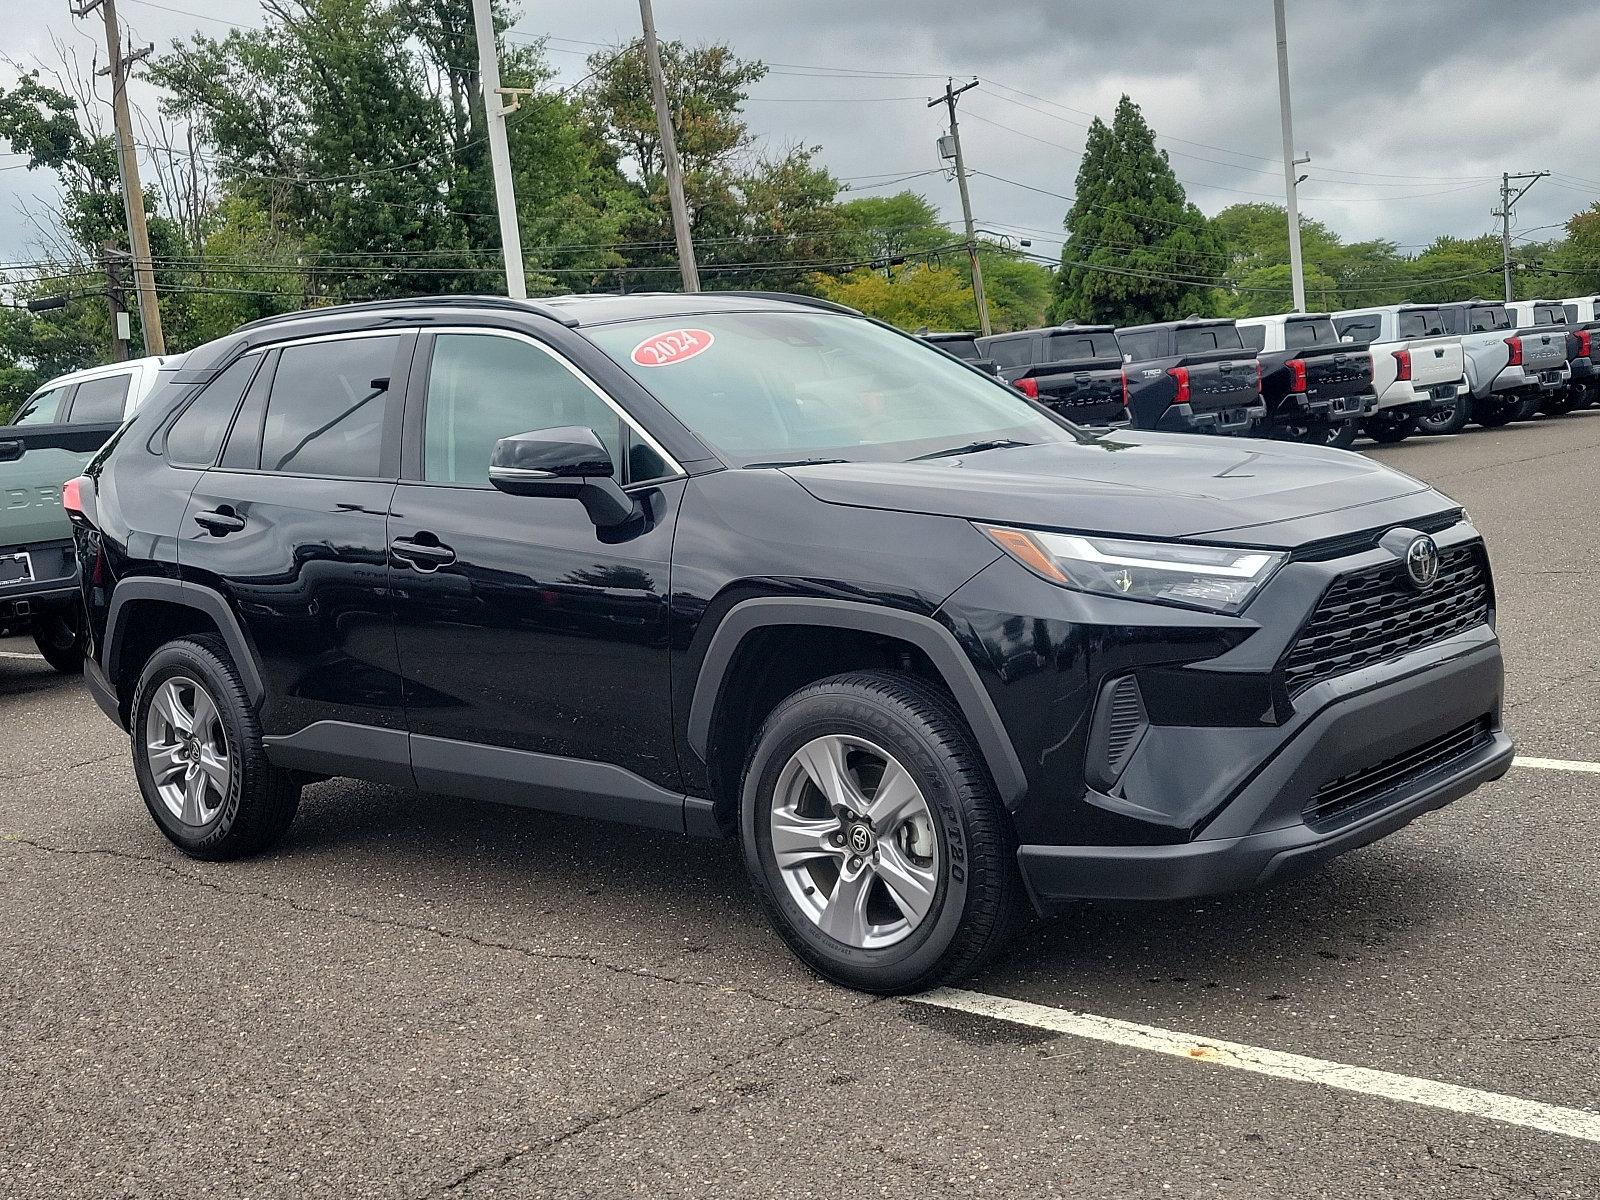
pixel 785 387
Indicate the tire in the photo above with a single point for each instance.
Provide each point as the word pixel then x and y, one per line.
pixel 1493 414
pixel 1558 405
pixel 1389 430
pixel 59 637
pixel 1340 436
pixel 1437 424
pixel 1528 407
pixel 957 847
pixel 242 803
pixel 1343 435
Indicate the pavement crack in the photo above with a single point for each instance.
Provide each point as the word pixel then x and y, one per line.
pixel 446 934
pixel 1522 1185
pixel 526 1149
pixel 59 768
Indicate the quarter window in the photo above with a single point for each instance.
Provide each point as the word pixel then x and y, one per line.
pixel 328 405
pixel 1359 329
pixel 100 400
pixel 482 387
pixel 196 436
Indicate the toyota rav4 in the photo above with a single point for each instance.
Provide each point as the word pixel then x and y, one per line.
pixel 756 566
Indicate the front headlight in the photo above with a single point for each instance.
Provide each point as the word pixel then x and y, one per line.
pixel 1219 578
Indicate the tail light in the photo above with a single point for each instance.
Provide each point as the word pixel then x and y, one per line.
pixel 1584 342
pixel 77 499
pixel 1181 375
pixel 1028 387
pixel 1515 343
pixel 1402 359
pixel 1124 389
pixel 1258 377
pixel 1297 374
pixel 72 496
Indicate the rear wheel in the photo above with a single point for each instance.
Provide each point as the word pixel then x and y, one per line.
pixel 873 834
pixel 198 757
pixel 1451 420
pixel 1559 404
pixel 1492 414
pixel 59 637
pixel 1340 435
pixel 1528 406
pixel 1389 429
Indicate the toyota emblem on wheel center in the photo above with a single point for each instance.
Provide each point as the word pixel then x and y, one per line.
pixel 1422 561
pixel 860 839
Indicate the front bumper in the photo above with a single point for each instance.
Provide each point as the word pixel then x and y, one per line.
pixel 1262 829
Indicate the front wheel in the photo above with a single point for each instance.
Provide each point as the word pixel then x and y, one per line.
pixel 59 638
pixel 873 834
pixel 1389 430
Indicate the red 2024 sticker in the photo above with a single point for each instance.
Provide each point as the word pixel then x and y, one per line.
pixel 674 346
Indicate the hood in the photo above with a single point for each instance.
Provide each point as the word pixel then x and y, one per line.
pixel 1142 485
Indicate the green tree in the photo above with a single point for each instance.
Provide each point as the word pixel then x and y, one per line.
pixel 1455 269
pixel 1136 249
pixel 889 226
pixel 918 297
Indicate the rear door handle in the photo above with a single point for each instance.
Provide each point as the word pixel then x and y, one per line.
pixel 11 450
pixel 220 521
pixel 424 556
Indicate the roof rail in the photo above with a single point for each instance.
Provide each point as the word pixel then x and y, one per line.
pixel 790 297
pixel 411 302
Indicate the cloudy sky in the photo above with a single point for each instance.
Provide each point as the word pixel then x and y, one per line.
pixel 1410 109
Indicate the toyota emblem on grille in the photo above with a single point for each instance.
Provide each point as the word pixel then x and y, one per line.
pixel 1422 562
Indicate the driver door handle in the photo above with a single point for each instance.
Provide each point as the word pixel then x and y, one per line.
pixel 424 556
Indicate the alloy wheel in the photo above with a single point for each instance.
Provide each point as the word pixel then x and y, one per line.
pixel 186 748
pixel 854 841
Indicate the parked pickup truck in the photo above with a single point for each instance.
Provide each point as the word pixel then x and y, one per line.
pixel 1551 317
pixel 1505 367
pixel 49 441
pixel 1193 376
pixel 959 343
pixel 1584 313
pixel 1075 370
pixel 1316 388
pixel 1417 366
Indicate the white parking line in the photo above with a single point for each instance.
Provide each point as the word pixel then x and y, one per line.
pixel 14 654
pixel 1511 1110
pixel 1557 764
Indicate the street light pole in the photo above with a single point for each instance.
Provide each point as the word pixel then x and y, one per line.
pixel 669 153
pixel 1296 267
pixel 495 112
pixel 951 92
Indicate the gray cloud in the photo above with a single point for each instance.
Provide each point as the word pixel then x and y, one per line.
pixel 1440 95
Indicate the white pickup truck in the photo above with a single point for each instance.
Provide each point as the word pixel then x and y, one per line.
pixel 53 434
pixel 1417 364
pixel 1550 317
pixel 1507 368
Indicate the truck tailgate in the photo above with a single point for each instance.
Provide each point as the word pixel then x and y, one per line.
pixel 1436 360
pixel 1335 372
pixel 1227 379
pixel 1089 395
pixel 1543 349
pixel 35 460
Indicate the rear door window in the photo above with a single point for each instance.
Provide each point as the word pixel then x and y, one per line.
pixel 43 408
pixel 1362 328
pixel 1255 337
pixel 1136 347
pixel 100 400
pixel 1012 352
pixel 1297 335
pixel 1212 337
pixel 1545 314
pixel 329 407
pixel 1065 347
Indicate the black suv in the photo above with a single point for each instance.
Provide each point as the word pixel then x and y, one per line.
pixel 753 565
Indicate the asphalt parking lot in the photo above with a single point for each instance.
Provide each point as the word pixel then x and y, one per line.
pixel 424 997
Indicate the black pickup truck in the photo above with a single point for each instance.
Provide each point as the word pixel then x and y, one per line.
pixel 1316 388
pixel 1191 376
pixel 1075 370
pixel 959 343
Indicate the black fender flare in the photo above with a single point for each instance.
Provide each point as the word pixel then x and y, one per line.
pixel 188 595
pixel 928 635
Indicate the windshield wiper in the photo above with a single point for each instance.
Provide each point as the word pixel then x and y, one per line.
pixel 794 462
pixel 971 448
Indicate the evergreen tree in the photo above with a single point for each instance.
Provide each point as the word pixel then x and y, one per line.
pixel 1131 232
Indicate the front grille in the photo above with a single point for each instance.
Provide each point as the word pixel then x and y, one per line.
pixel 1362 791
pixel 1375 615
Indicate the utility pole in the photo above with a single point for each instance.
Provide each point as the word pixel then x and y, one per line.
pixel 669 152
pixel 1507 202
pixel 114 297
pixel 1290 183
pixel 495 113
pixel 118 65
pixel 951 92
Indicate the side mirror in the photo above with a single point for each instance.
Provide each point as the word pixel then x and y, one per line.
pixel 570 462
